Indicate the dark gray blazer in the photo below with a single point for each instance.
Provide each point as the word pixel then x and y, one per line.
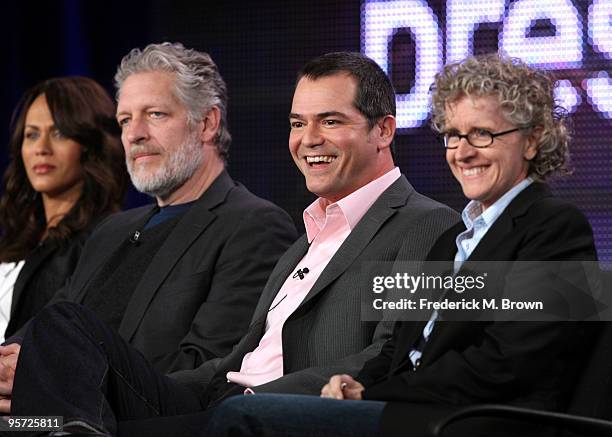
pixel 325 335
pixel 195 300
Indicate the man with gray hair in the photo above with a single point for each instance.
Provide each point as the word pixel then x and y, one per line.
pixel 178 280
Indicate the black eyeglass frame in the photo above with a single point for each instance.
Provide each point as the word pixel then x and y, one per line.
pixel 466 136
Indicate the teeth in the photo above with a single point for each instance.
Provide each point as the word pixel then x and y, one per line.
pixel 313 159
pixel 473 171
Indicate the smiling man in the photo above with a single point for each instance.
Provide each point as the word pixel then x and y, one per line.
pixel 308 326
pixel 339 150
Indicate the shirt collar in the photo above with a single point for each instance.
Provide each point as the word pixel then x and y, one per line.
pixel 353 207
pixel 473 211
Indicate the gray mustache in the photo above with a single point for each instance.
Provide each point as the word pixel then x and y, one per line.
pixel 135 150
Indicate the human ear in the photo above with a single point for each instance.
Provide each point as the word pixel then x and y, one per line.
pixel 533 140
pixel 210 125
pixel 386 131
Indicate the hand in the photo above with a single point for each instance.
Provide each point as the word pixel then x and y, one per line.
pixel 8 364
pixel 342 387
pixel 5 405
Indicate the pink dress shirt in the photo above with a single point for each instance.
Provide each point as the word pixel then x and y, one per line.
pixel 327 226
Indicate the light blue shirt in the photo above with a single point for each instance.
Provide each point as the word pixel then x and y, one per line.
pixel 477 223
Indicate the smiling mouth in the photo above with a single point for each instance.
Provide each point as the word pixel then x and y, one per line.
pixel 472 171
pixel 320 160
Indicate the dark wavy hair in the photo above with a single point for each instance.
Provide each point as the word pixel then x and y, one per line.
pixel 375 95
pixel 84 112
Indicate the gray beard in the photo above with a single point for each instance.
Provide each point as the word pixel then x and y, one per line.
pixel 179 167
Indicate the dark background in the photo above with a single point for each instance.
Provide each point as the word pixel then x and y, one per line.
pixel 259 46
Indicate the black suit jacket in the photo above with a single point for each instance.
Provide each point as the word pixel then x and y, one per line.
pixel 325 334
pixel 46 270
pixel 529 363
pixel 196 298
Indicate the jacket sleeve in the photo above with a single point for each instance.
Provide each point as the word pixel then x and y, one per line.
pixel 240 273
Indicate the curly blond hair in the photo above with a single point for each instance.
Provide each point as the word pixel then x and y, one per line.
pixel 526 99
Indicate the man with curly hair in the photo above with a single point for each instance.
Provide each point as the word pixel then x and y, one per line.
pixel 503 136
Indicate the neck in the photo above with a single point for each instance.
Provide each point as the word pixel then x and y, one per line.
pixel 211 167
pixel 57 206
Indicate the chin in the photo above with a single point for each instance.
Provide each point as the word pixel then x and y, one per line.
pixel 316 189
pixel 42 189
pixel 471 195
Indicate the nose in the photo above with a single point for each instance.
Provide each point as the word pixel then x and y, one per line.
pixel 465 150
pixel 42 146
pixel 135 131
pixel 311 136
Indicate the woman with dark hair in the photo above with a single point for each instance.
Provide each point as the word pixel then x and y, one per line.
pixel 67 171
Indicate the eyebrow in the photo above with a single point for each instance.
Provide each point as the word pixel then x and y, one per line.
pixel 320 114
pixel 39 127
pixel 453 129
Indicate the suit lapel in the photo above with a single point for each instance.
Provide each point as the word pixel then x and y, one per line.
pixel 494 238
pixel 385 206
pixel 188 229
pixel 32 263
pixel 445 248
pixel 108 247
pixel 407 336
pixel 504 225
pixel 285 267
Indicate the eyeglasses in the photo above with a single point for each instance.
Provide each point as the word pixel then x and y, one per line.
pixel 479 138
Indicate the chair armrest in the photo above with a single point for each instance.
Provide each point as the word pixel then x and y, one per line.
pixel 581 424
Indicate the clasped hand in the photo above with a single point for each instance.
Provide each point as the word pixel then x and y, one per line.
pixel 342 387
pixel 9 355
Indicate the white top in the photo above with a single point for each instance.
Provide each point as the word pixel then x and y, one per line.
pixel 8 276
